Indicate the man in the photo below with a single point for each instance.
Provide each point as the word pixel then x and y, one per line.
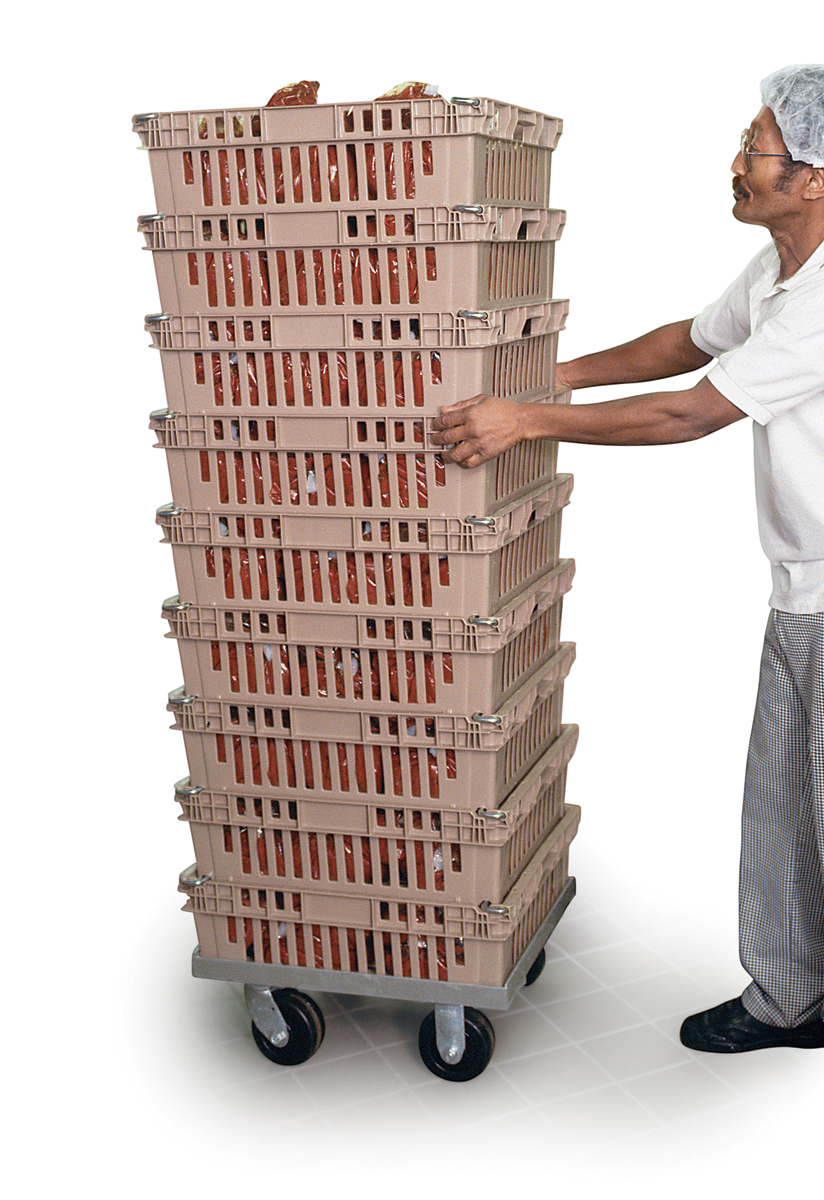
pixel 767 332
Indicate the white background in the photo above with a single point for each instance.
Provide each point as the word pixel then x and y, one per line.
pixel 670 596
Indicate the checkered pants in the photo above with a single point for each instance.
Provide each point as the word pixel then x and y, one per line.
pixel 781 897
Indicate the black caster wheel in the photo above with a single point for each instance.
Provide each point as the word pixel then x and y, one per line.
pixel 536 968
pixel 306 1029
pixel 480 1042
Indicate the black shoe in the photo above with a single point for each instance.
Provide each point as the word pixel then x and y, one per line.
pixel 729 1029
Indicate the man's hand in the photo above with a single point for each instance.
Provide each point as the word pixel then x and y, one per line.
pixel 474 431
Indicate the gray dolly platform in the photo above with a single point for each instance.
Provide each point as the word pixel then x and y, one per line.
pixel 456 1041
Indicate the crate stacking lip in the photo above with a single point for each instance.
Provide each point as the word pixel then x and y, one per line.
pixel 361 119
pixel 321 464
pixel 388 664
pixel 369 381
pixel 318 280
pixel 476 633
pixel 449 566
pixel 284 163
pixel 352 330
pixel 467 854
pixel 396 226
pixel 455 942
pixel 319 752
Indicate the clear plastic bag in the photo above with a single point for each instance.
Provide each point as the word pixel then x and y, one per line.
pixel 305 92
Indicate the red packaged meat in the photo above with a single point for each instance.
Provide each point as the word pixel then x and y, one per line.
pixel 411 91
pixel 305 92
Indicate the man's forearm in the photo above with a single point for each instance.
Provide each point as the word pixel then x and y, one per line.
pixel 656 419
pixel 659 354
pixel 474 431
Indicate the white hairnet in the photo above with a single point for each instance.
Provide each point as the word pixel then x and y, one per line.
pixel 795 96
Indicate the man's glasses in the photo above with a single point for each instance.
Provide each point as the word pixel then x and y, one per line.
pixel 748 154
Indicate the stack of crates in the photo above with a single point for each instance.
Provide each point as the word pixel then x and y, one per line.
pixel 370 638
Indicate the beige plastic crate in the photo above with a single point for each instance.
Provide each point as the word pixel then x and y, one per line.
pixel 385 663
pixel 342 753
pixel 370 279
pixel 463 169
pixel 362 119
pixel 467 855
pixel 463 820
pixel 477 633
pixel 410 225
pixel 252 382
pixel 318 465
pixel 353 330
pixel 446 566
pixel 305 172
pixel 459 943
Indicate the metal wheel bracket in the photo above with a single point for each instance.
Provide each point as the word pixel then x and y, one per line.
pixel 266 1015
pixel 450 1032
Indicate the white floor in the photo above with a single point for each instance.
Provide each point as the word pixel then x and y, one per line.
pixel 588 1086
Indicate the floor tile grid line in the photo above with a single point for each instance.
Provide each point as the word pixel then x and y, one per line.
pixel 631 939
pixel 672 1128
pixel 664 1027
pixel 621 1083
pixel 669 1123
pixel 295 1073
pixel 311 1106
pixel 363 1029
pixel 530 1004
pixel 707 1063
pixel 667 1028
pixel 530 1106
pixel 265 1074
pixel 715 1067
pixel 406 1085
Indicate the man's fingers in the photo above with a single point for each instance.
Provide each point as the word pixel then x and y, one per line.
pixel 462 404
pixel 451 414
pixel 447 436
pixel 474 460
pixel 464 454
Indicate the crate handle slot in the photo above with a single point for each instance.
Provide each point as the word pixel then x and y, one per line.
pixel 493 814
pixel 174 604
pixel 482 720
pixel 492 622
pixel 185 787
pixel 473 100
pixel 190 878
pixel 465 312
pixel 178 697
pixel 497 910
pixel 467 208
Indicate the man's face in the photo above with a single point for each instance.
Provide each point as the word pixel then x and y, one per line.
pixel 762 195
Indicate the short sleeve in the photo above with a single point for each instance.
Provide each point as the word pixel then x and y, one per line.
pixel 727 321
pixel 782 364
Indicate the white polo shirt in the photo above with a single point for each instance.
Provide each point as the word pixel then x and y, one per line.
pixel 768 338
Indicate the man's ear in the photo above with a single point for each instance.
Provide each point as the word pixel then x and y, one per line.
pixel 814 187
